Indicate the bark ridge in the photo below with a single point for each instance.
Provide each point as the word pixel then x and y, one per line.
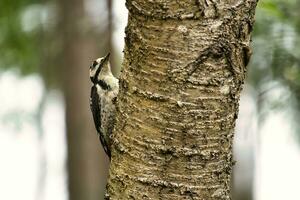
pixel 184 67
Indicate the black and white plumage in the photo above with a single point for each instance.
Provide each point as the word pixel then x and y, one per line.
pixel 103 99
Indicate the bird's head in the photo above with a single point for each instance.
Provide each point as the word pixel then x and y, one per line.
pixel 99 68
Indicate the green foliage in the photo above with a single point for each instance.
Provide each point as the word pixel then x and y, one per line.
pixel 276 43
pixel 19 49
pixel 276 47
pixel 272 8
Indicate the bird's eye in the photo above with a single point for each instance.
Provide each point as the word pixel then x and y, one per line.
pixel 95 63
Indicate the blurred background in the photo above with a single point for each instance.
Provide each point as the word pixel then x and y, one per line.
pixel 48 144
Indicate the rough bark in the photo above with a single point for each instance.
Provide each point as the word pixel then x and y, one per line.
pixel 183 71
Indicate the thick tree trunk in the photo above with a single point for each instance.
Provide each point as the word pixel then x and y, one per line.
pixel 184 67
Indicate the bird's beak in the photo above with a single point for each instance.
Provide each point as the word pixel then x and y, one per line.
pixel 106 58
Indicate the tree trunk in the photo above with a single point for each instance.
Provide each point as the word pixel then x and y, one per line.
pixel 184 67
pixel 86 165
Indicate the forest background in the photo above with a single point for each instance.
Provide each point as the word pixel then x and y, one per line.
pixel 48 145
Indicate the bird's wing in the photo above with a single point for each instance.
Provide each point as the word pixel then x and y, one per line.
pixel 96 110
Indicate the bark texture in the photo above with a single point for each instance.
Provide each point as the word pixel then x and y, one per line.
pixel 184 67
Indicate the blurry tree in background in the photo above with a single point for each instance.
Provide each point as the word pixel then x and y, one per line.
pixel 59 40
pixel 86 166
pixel 274 71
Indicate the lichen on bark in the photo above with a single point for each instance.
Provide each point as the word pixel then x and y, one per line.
pixel 183 71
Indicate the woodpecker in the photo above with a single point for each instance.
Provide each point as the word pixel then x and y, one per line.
pixel 103 100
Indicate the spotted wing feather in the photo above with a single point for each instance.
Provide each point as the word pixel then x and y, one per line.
pixel 96 110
